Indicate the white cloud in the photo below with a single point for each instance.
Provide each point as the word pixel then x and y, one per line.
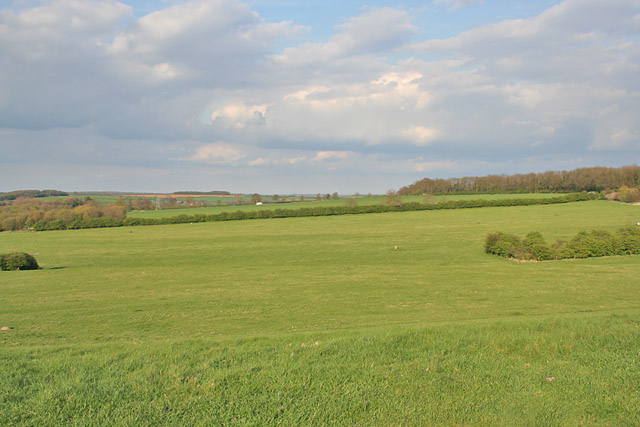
pixel 332 155
pixel 88 82
pixel 460 4
pixel 375 30
pixel 420 165
pixel 420 135
pixel 217 153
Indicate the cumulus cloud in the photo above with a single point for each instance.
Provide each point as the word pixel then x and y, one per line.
pixel 207 82
pixel 375 30
pixel 217 152
pixel 459 4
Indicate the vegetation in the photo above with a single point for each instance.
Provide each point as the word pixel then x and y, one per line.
pixel 204 193
pixel 60 214
pixel 12 195
pixel 318 321
pixel 597 243
pixel 345 209
pixel 584 179
pixel 294 205
pixel 628 195
pixel 18 261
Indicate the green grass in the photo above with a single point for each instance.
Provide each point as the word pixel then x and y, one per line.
pixel 362 201
pixel 308 321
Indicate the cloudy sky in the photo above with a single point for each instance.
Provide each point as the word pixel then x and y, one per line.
pixel 285 96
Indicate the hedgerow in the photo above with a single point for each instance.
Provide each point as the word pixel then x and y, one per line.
pixel 308 212
pixel 597 243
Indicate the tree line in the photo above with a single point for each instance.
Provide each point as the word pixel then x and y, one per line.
pixel 12 195
pixel 583 179
pixel 30 213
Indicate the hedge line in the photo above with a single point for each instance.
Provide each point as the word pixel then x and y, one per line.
pixel 597 243
pixel 308 212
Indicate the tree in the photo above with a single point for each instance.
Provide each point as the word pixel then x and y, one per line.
pixel 335 196
pixel 393 198
pixel 255 198
pixel 351 203
pixel 276 198
pixel 628 195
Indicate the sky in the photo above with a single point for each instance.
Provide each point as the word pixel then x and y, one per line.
pixel 284 96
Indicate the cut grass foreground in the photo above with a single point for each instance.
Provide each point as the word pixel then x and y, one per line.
pixel 307 321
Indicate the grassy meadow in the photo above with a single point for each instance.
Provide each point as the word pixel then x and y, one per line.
pixel 319 320
pixel 361 201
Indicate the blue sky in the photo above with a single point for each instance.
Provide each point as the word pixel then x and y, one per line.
pixel 305 97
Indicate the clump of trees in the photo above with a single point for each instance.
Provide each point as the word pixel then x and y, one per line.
pixel 393 198
pixel 33 214
pixel 583 179
pixel 137 203
pixel 628 195
pixel 18 261
pixel 12 195
pixel 597 243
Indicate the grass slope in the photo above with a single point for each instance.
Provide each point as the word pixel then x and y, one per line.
pixel 318 320
pixel 361 201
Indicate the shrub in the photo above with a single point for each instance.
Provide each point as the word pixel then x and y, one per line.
pixel 628 195
pixel 18 261
pixel 596 243
pixel 537 247
pixel 627 240
pixel 503 244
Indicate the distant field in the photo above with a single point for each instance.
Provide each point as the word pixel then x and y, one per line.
pixel 315 321
pixel 362 201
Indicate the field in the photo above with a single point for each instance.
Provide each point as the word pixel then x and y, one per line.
pixel 313 321
pixel 361 201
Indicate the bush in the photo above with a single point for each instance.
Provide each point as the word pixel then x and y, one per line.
pixel 503 244
pixel 597 243
pixel 537 247
pixel 628 195
pixel 18 261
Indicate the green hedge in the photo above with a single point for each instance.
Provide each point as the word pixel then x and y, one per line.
pixel 312 211
pixel 18 261
pixel 597 243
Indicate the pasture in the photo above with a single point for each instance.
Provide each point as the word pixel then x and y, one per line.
pixel 361 201
pixel 310 321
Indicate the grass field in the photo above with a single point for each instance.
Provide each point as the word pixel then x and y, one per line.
pixel 361 201
pixel 312 321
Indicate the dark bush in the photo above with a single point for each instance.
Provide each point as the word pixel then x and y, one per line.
pixel 597 243
pixel 18 261
pixel 502 244
pixel 537 247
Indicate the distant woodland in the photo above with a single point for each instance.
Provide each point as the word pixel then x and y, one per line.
pixel 584 179
pixel 31 193
pixel 70 212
